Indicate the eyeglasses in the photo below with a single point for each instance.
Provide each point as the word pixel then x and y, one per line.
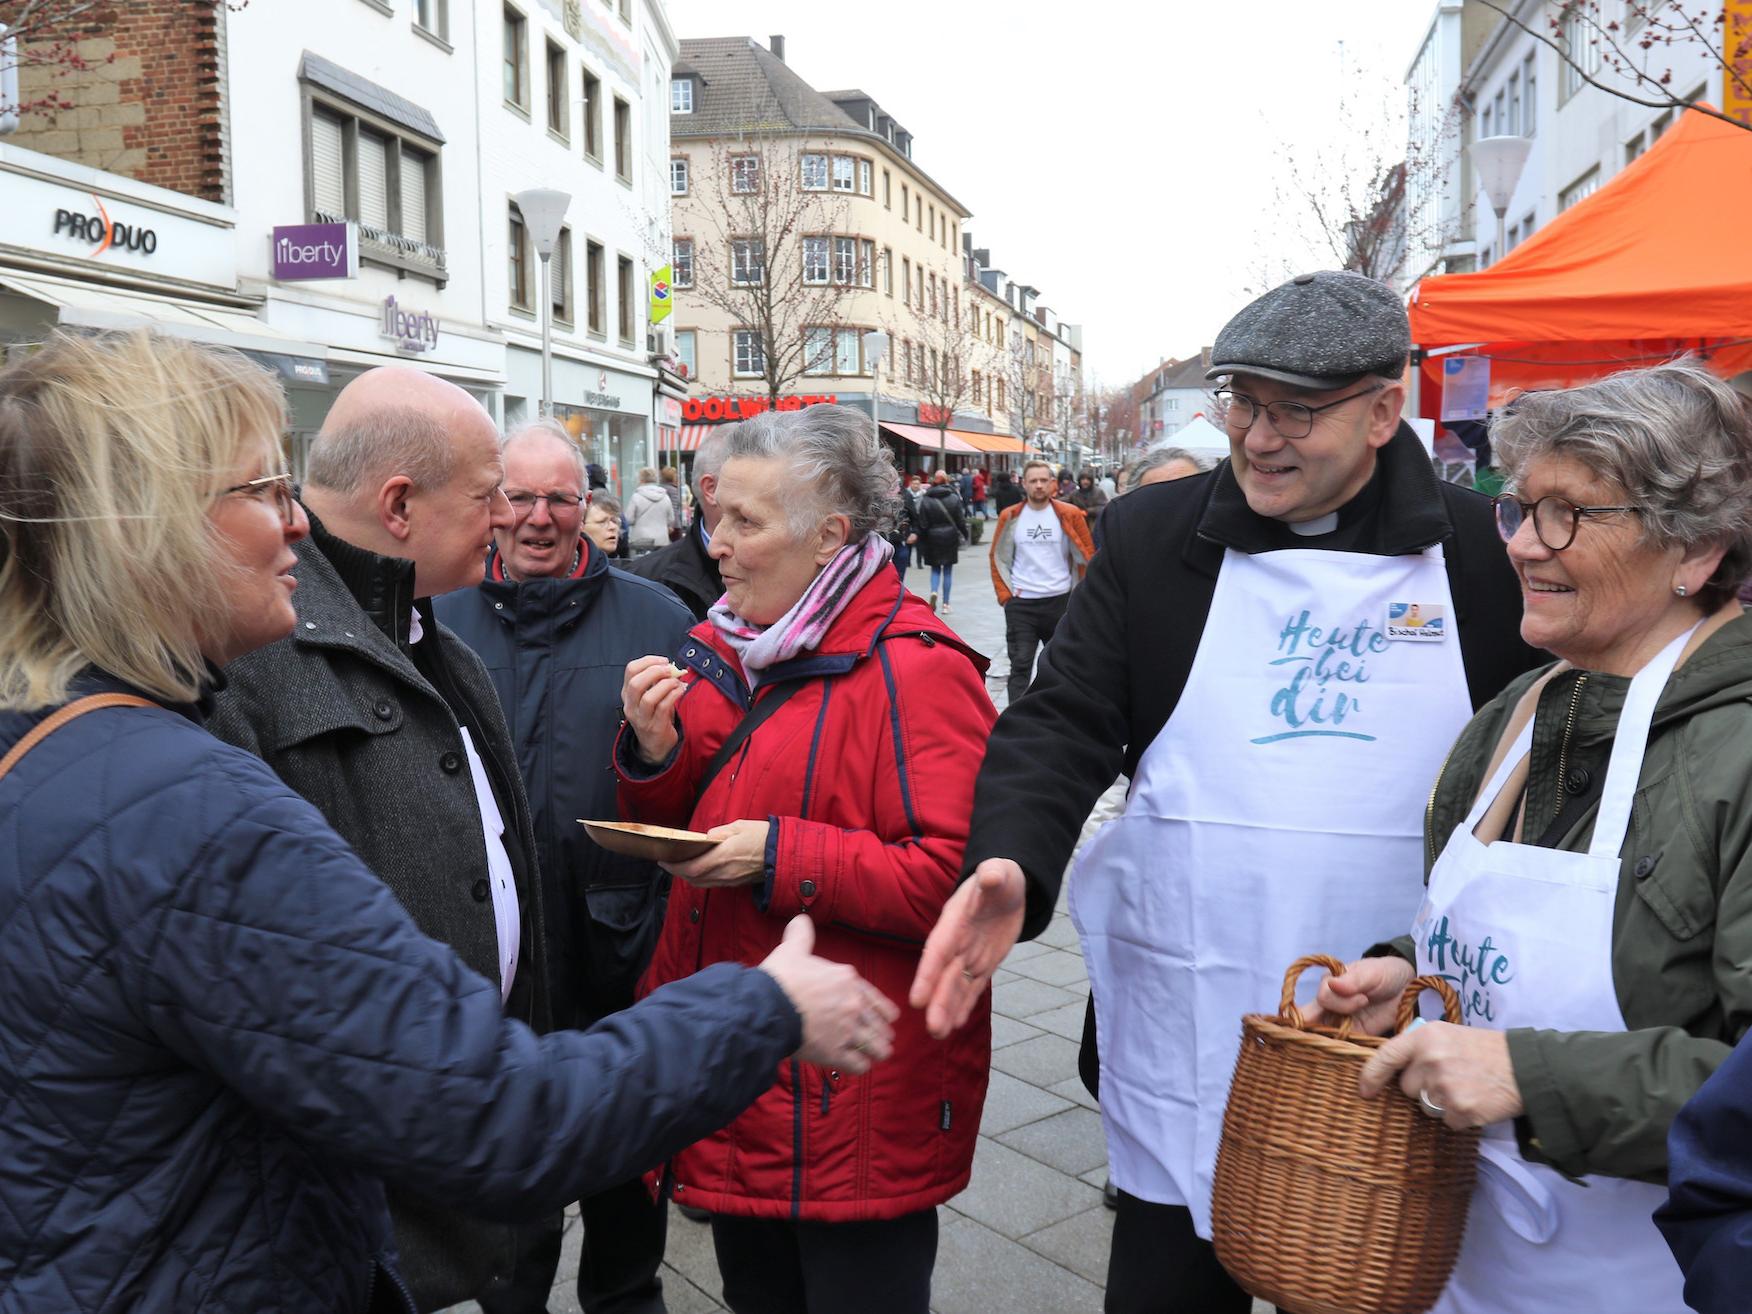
pixel 279 485
pixel 523 503
pixel 1290 419
pixel 1555 519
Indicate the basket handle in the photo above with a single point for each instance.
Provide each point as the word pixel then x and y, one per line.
pixel 1414 991
pixel 1287 1010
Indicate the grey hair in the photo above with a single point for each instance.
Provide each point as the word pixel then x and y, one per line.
pixel 709 456
pixel 1677 439
pixel 548 427
pixel 647 475
pixel 607 501
pixel 1134 475
pixel 838 465
pixel 392 440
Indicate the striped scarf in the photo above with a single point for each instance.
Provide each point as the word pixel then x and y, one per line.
pixel 805 625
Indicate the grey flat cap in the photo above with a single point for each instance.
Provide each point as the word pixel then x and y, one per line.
pixel 1319 331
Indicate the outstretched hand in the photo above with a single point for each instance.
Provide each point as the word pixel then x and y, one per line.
pixel 978 926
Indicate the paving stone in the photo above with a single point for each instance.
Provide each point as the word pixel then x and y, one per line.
pixel 690 1253
pixel 1040 1062
pixel 1002 975
pixel 1080 1244
pixel 1055 967
pixel 1096 1177
pixel 1077 987
pixel 1024 951
pixel 1072 1141
pixel 1014 1195
pixel 980 1272
pixel 682 1296
pixel 1065 1020
pixel 1074 1089
pixel 1060 933
pixel 1007 1031
pixel 1023 998
pixel 1011 1104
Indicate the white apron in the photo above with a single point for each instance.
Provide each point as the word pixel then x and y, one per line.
pixel 1524 934
pixel 1278 813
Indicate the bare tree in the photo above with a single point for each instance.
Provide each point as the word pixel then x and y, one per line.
pixel 944 362
pixel 777 261
pixel 1629 57
pixel 1028 382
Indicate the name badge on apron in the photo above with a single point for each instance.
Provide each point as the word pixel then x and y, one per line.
pixel 1417 622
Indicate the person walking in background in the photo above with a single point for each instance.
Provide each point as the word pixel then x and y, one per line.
pixel 668 476
pixel 981 486
pixel 602 524
pixel 1088 499
pixel 1006 491
pixel 1039 553
pixel 940 525
pixel 1109 485
pixel 650 515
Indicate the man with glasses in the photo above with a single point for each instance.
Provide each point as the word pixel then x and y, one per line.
pixel 389 726
pixel 556 627
pixel 1277 653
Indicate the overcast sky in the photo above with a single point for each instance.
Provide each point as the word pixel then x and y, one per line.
pixel 1117 154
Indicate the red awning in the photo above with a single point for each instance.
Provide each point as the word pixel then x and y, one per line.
pixel 926 438
pixel 688 437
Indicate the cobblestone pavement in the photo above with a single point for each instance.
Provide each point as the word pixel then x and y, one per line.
pixel 1029 1235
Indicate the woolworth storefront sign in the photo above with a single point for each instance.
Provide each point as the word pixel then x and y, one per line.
pixel 719 410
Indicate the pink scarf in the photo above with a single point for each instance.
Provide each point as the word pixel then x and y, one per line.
pixel 806 624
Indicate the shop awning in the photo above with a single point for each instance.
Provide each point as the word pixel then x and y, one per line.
pixel 688 437
pixel 926 438
pixel 997 444
pixel 86 305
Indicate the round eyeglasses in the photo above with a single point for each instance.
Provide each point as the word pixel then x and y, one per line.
pixel 1555 519
pixel 1289 419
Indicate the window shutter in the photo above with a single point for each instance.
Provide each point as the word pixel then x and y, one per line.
pixel 327 167
pixel 557 274
pixel 413 195
pixel 373 181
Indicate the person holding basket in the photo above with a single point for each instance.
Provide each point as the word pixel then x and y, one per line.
pixel 1590 849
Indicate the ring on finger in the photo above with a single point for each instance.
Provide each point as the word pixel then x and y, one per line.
pixel 1429 1106
pixel 969 976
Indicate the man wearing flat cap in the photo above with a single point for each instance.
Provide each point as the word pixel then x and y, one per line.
pixel 1277 653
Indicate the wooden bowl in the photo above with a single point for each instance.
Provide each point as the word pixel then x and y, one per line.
pixel 634 839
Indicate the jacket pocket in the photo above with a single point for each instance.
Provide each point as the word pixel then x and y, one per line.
pixel 1678 895
pixel 620 931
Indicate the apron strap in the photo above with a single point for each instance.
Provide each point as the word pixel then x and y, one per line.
pixel 1630 742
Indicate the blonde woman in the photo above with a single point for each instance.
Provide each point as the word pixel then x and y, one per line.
pixel 205 997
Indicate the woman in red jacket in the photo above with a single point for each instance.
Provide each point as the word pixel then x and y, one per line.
pixel 826 731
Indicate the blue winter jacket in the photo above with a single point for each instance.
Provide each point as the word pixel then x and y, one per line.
pixel 1707 1219
pixel 218 1031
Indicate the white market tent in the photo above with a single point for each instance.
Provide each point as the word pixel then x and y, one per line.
pixel 1200 437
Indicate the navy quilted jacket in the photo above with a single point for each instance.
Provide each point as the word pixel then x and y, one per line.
pixel 218 1031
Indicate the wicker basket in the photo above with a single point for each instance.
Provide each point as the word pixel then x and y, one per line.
pixel 1324 1202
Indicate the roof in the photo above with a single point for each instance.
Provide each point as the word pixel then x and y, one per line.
pixel 747 91
pixel 1189 373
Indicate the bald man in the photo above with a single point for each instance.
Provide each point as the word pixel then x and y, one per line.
pixel 389 725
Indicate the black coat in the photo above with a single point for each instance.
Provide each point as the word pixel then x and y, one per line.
pixel 557 651
pixel 1006 493
pixel 1114 671
pixel 685 568
pixel 939 522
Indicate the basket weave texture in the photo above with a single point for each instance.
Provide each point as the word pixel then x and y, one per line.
pixel 1324 1202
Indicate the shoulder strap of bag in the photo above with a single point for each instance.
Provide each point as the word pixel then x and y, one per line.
pixel 750 722
pixel 53 722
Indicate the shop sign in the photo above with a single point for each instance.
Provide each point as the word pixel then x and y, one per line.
pixel 602 399
pixel 669 412
pixel 935 415
pixel 106 232
pixel 409 330
pixel 661 302
pixel 310 251
pixel 713 410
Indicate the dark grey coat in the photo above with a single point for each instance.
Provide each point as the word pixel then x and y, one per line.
pixel 340 712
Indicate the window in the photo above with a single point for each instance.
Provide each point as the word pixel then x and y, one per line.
pixel 626 12
pixel 818 351
pixel 623 140
pixel 592 116
pixel 686 352
pixel 629 308
pixel 1529 97
pixel 1484 120
pixel 433 17
pixel 747 261
pixel 903 203
pixel 976 388
pixel 385 181
pixel 919 217
pixel 866 263
pixel 516 58
pixel 416 188
pixel 557 89
pixel 815 260
pixel 560 277
pixel 678 177
pixel 1505 126
pixel 1527 225
pixel 845 260
pixel 906 361
pixel 815 173
pixel 518 246
pixel 888 270
pixel 1581 188
pixel 842 173
pixel 932 284
pixel 748 360
pixel 681 258
pixel 1582 44
pixel 744 174
pixel 905 281
pixel 1514 120
pixel 887 191
pixel 1000 394
pixel 1513 237
pixel 593 272
pixel 919 305
pixel 373 158
pixel 847 358
pixel 681 96
pixel 864 188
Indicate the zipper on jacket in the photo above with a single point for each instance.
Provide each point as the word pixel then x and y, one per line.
pixel 1430 817
pixel 1569 726
pixel 796 1139
pixel 826 1091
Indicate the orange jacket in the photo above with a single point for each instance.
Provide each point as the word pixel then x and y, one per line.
pixel 1077 537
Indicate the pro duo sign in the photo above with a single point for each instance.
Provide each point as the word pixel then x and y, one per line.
pixel 108 234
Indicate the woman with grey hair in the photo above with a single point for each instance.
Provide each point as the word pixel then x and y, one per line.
pixel 1590 846
pixel 1160 466
pixel 823 728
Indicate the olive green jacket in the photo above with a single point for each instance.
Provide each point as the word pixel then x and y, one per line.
pixel 1601 1102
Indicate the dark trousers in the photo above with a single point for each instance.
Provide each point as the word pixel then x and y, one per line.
pixel 776 1266
pixel 624 1236
pixel 1028 623
pixel 1160 1265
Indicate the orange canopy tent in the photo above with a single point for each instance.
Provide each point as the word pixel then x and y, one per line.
pixel 1656 263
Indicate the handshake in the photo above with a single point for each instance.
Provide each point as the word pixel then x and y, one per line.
pixel 847 1022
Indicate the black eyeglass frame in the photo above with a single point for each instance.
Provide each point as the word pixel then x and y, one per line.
pixel 1530 511
pixel 1228 398
pixel 281 487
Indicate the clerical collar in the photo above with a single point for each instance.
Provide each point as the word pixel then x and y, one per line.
pixel 1318 525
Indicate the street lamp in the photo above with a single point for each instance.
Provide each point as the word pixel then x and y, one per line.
pixel 543 210
pixel 1499 161
pixel 875 348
